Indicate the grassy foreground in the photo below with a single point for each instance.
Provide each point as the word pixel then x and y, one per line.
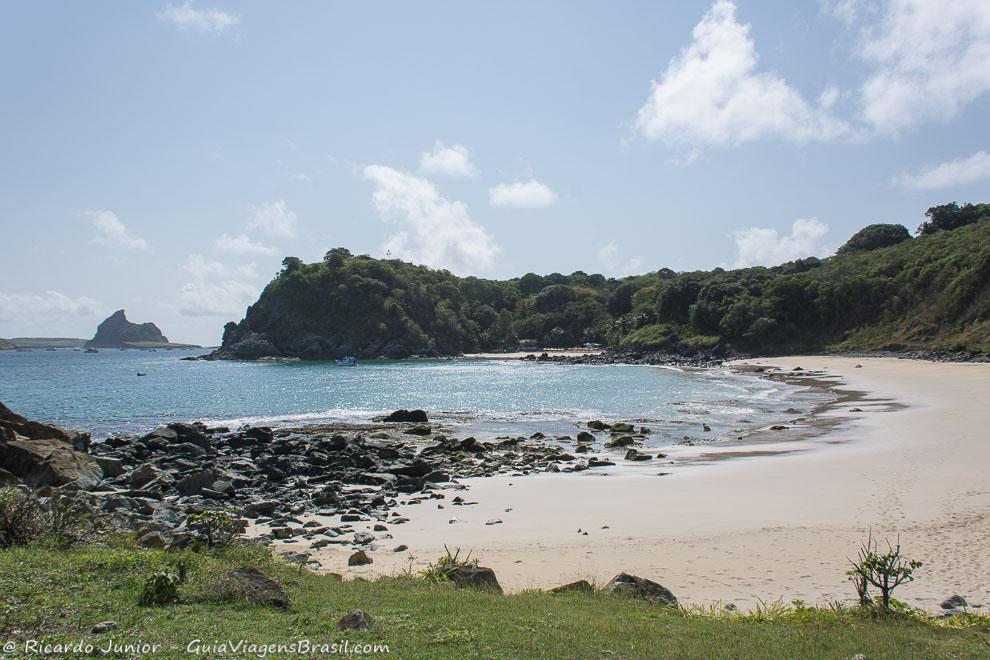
pixel 58 595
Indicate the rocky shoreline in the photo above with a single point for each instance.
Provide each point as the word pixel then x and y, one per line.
pixel 693 358
pixel 150 485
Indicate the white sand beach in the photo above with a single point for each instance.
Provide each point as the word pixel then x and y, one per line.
pixel 752 528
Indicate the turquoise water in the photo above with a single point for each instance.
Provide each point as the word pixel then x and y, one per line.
pixel 102 393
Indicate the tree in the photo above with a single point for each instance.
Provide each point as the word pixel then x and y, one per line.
pixel 336 257
pixel 291 264
pixel 947 217
pixel 620 302
pixel 874 237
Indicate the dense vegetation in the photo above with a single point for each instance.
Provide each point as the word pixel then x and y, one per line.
pixel 59 595
pixel 882 290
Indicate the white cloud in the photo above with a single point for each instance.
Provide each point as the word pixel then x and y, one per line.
pixel 187 17
pixel 930 61
pixel 712 93
pixel 227 298
pixel 241 244
pixel 215 289
pixel 847 11
pixel 50 306
pixel 199 268
pixel 436 231
pixel 111 231
pixel 274 218
pixel 765 247
pixel 615 264
pixel 522 195
pixel 454 161
pixel 958 172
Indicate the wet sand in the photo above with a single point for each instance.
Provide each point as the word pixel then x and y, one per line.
pixel 778 520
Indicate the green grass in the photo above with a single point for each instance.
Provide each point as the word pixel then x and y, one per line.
pixel 59 595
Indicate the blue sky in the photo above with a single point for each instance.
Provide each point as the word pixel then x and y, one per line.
pixel 164 157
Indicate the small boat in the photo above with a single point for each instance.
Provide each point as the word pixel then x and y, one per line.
pixel 347 361
pixel 140 373
pixel 91 350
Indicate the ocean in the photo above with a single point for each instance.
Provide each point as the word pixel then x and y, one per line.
pixel 103 393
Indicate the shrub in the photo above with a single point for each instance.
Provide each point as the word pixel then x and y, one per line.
pixel 885 571
pixel 160 588
pixel 218 528
pixel 26 518
pixel 21 517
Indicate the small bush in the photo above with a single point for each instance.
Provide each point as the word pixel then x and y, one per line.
pixel 26 518
pixel 885 571
pixel 21 517
pixel 218 528
pixel 160 588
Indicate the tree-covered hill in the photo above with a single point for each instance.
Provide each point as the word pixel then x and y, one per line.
pixel 883 290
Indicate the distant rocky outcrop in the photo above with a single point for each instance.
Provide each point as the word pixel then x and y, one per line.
pixel 6 345
pixel 117 332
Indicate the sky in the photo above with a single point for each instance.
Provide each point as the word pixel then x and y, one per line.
pixel 164 157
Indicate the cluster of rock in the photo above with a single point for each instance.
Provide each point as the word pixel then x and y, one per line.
pixel 150 484
pixel 701 358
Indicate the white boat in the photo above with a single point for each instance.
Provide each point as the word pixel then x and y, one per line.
pixel 347 361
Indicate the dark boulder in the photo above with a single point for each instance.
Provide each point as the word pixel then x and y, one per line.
pixel 478 577
pixel 359 558
pixel 953 602
pixel 633 455
pixel 356 620
pixel 259 588
pixel 580 585
pixel 633 586
pixel 409 416
pixel 193 484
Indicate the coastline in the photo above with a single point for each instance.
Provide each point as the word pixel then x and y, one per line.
pixel 758 527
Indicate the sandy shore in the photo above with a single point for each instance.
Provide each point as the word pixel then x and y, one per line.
pixel 771 525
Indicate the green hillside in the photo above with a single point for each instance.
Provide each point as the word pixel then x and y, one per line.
pixel 883 290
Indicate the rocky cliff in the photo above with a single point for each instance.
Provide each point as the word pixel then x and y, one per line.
pixel 116 332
